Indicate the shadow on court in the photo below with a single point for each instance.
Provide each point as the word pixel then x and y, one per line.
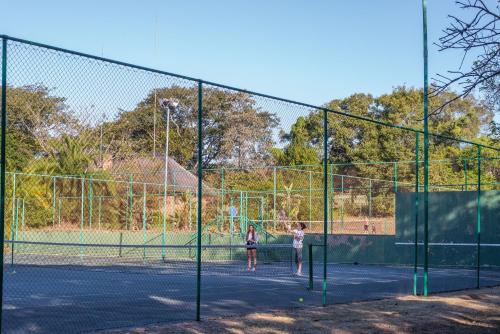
pixel 41 299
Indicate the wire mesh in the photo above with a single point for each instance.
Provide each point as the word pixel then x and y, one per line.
pixel 488 228
pixel 102 198
pixel 362 253
pixel 252 186
pixel 88 164
pixel 452 218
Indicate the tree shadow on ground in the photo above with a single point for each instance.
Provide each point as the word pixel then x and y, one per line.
pixel 473 311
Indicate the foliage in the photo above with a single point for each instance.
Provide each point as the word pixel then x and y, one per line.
pixel 352 140
pixel 35 119
pixel 45 138
pixel 301 150
pixel 236 132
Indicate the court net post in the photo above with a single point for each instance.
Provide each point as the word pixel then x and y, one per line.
pixel 310 255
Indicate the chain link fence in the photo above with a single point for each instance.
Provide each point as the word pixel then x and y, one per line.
pixel 135 196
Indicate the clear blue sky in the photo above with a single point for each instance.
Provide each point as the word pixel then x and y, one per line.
pixel 311 51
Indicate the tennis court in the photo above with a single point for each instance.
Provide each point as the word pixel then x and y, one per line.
pixel 91 292
pixel 137 209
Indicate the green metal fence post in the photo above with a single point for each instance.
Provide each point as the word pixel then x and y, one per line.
pixel 395 176
pixel 82 207
pixel 332 197
pixel 200 196
pixel 274 198
pixel 415 267
pixel 222 198
pixel 311 275
pixel 13 232
pixel 246 213
pixel 164 227
pixel 59 213
pixel 478 215
pixel 325 203
pixel 241 212
pixel 266 207
pixel 53 201
pixel 22 221
pixel 395 180
pixel 144 221
pixel 246 205
pixel 14 188
pixel 261 212
pixel 16 230
pixel 342 207
pixel 174 181
pixel 370 200
pixel 310 197
pixel 99 211
pixel 91 200
pixel 131 203
pixel 465 174
pixel 426 151
pixel 128 208
pixel 231 224
pixel 190 203
pixel 2 163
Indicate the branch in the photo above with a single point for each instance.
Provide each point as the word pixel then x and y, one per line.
pixel 479 33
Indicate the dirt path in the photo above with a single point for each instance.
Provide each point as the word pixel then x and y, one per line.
pixel 472 311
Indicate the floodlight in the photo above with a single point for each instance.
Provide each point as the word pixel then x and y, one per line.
pixel 169 103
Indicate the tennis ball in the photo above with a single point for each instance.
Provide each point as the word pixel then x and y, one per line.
pixel 301 299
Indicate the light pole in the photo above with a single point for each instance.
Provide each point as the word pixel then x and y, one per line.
pixel 167 105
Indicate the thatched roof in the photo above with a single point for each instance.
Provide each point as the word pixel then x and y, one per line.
pixel 152 170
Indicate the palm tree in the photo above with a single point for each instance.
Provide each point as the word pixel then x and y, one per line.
pixel 69 162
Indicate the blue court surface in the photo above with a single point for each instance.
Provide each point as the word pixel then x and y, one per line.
pixel 81 299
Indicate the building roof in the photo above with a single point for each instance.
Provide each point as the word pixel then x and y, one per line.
pixel 152 170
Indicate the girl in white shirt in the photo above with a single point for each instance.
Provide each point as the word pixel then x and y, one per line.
pixel 298 238
pixel 251 239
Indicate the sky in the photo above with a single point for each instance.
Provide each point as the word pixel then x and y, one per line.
pixel 309 51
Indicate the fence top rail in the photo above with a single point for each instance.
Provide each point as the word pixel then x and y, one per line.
pixel 201 81
pixel 336 164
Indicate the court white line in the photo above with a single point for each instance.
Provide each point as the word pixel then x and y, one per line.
pixel 448 244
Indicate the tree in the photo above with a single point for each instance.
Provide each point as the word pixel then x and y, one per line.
pixel 34 120
pixel 477 36
pixel 494 131
pixel 236 132
pixel 300 150
pixel 247 133
pixel 352 140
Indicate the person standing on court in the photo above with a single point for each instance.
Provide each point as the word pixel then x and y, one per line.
pixel 298 238
pixel 251 239
pixel 233 212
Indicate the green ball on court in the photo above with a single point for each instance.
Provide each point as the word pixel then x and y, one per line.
pixel 301 299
